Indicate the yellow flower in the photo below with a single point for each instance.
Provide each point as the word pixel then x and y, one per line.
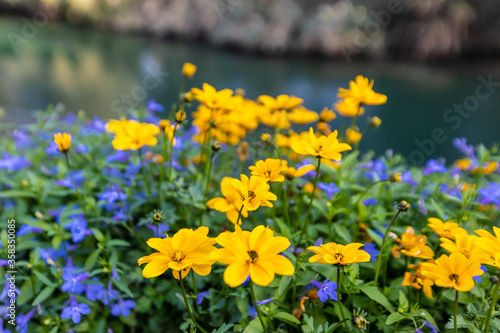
pixel 486 169
pixel 327 115
pixel 309 188
pixel 230 204
pixel 266 137
pixel 445 229
pixel 253 192
pixel 282 102
pixel 185 250
pixel 352 136
pixel 490 244
pixel 454 271
pixel 466 245
pixel 412 246
pixel 63 141
pixel 301 115
pixel 115 126
pixel 188 69
pixel 418 280
pixel 292 173
pixel 375 122
pixel 462 164
pixel 323 128
pixel 395 177
pixel 338 254
pixel 361 90
pixel 327 147
pixel 212 98
pixel 255 253
pixel 135 135
pixel 270 169
pixel 349 108
pixel 243 151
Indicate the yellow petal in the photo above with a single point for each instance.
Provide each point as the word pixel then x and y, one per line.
pixel 236 273
pixel 281 264
pixel 262 273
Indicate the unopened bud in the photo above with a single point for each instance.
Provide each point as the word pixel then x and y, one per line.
pixel 180 116
pixel 216 146
pixel 375 122
pixel 404 206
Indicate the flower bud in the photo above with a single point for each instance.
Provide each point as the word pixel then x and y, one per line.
pixel 63 141
pixel 188 69
pixel 404 206
pixel 216 146
pixel 375 122
pixel 180 116
pixel 188 97
pixel 395 177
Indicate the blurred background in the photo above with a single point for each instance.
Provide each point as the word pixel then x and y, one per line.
pixel 438 61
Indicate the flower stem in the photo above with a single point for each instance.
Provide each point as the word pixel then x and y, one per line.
pixel 206 185
pixel 342 319
pixel 456 310
pixel 188 307
pixel 74 184
pixel 310 202
pixel 195 291
pixel 492 307
pixel 285 203
pixel 379 259
pixel 170 156
pixel 162 170
pixel 264 327
pixel 239 215
pixel 144 173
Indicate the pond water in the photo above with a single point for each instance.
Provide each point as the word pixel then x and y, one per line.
pixel 97 72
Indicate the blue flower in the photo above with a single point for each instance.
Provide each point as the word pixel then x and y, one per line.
pixel 372 251
pixel 377 171
pixel 118 156
pixel 326 290
pixel 433 166
pixel 66 182
pixel 7 288
pixel 13 163
pixel 112 195
pixel 26 229
pixel 369 202
pixel 78 229
pixel 201 296
pixel 252 312
pixel 154 107
pixel 122 307
pixel 433 329
pixel 50 255
pixel 75 310
pixel 421 206
pixel 23 320
pixel 478 278
pixel 490 194
pixel 72 283
pixel 318 242
pixel 22 139
pixel 107 295
pixel 162 229
pixel 461 144
pixel 330 189
pixel 407 178
pixel 95 127
pixel 92 290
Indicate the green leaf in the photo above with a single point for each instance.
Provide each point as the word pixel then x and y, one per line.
pixel 45 280
pixel 11 194
pixel 427 316
pixel 98 234
pixel 438 209
pixel 224 328
pixel 120 285
pixel 343 232
pixel 284 282
pixel 286 317
pixel 394 318
pixel 91 260
pixel 43 295
pixel 254 327
pixel 117 242
pixel 377 296
pixel 403 301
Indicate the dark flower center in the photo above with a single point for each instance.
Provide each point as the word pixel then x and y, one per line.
pixel 254 256
pixel 453 277
pixel 251 195
pixel 177 255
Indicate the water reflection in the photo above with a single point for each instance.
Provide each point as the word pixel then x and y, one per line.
pixel 92 71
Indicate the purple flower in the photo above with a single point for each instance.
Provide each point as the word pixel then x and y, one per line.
pixel 75 310
pixel 72 283
pixel 461 144
pixel 319 242
pixel 13 163
pixel 370 202
pixel 252 312
pixel 407 178
pixel 51 254
pixel 26 229
pixel 490 194
pixel 7 288
pixel 70 118
pixel 162 228
pixel 112 195
pixel 66 182
pixel 23 320
pixel 433 166
pixel 52 149
pixel 22 139
pixel 377 171
pixel 118 156
pixel 371 249
pixel 78 229
pixel 107 295
pixel 478 278
pixel 330 189
pixel 122 307
pixel 433 329
pixel 154 107
pixel 326 290
pixel 201 296
pixel 421 206
pixel 95 127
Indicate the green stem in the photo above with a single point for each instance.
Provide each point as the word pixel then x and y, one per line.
pixel 285 203
pixel 74 184
pixel 195 291
pixel 144 173
pixel 310 202
pixel 492 307
pixel 188 307
pixel 254 300
pixel 170 167
pixel 130 226
pixel 456 311
pixel 342 319
pixel 162 169
pixel 210 163
pixel 379 259
pixel 239 215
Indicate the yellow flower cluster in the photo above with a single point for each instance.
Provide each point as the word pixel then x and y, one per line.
pixel 131 134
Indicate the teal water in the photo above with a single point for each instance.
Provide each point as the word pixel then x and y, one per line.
pixel 97 72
